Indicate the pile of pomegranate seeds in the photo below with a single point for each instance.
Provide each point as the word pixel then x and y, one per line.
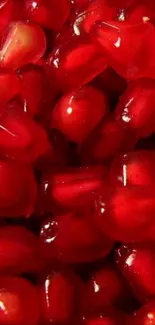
pixel 77 162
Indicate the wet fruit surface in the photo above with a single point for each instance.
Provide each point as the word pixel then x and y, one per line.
pixel 77 162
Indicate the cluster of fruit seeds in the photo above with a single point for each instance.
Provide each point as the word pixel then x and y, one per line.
pixel 77 162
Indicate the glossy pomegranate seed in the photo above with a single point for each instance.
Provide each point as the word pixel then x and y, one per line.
pixel 74 63
pixel 106 287
pixel 96 10
pixel 19 251
pixel 9 86
pixel 126 213
pixel 74 114
pixel 18 190
pixel 48 13
pixel 34 90
pixel 73 238
pixel 59 297
pixel 145 315
pixel 20 137
pixel 31 47
pixel 132 110
pixel 6 12
pixel 71 187
pixel 19 302
pixel 64 35
pixel 133 168
pixel 137 264
pixel 108 317
pixel 116 39
pixel 106 141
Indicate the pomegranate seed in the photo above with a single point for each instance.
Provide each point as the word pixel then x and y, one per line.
pixel 133 168
pixel 23 43
pixel 132 110
pixel 145 315
pixel 9 86
pixel 126 213
pixel 106 287
pixel 137 264
pixel 6 11
pixel 20 137
pixel 106 141
pixel 64 35
pixel 74 115
pixel 61 241
pixel 71 187
pixel 18 190
pixel 48 13
pixel 20 302
pixel 59 297
pixel 33 90
pixel 19 251
pixel 74 63
pixel 116 39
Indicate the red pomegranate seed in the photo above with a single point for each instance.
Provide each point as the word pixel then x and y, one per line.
pixel 23 43
pixel 106 287
pixel 133 168
pixel 19 251
pixel 6 12
pixel 137 264
pixel 74 114
pixel 96 10
pixel 59 297
pixel 128 61
pixel 64 35
pixel 126 213
pixel 106 141
pixel 132 110
pixel 145 315
pixel 48 13
pixel 73 238
pixel 33 90
pixel 107 317
pixel 9 86
pixel 19 302
pixel 74 63
pixel 71 187
pixel 21 137
pixel 18 190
